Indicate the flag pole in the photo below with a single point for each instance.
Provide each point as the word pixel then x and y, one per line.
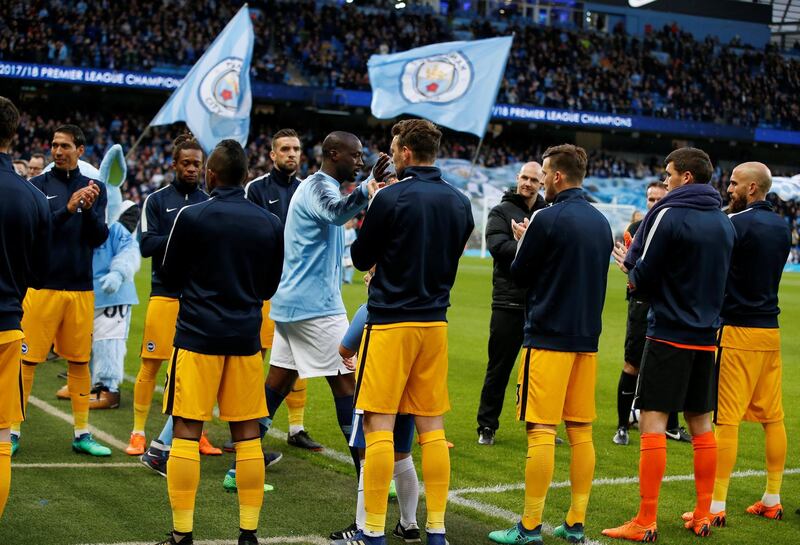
pixel 474 160
pixel 129 155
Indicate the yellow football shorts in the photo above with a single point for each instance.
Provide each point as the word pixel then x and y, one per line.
pixel 196 382
pixel 267 327
pixel 159 328
pixel 749 375
pixel 402 368
pixel 11 410
pixel 59 318
pixel 555 386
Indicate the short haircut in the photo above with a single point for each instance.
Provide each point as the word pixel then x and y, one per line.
pixel 692 160
pixel 420 136
pixel 284 133
pixel 229 162
pixel 659 185
pixel 20 162
pixel 338 139
pixel 9 121
pixel 569 160
pixel 39 156
pixel 75 132
pixel 184 141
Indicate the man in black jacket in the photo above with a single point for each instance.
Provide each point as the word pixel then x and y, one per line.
pixel 25 232
pixel 223 273
pixel 508 300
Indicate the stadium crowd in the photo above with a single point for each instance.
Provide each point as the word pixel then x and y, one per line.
pixel 667 73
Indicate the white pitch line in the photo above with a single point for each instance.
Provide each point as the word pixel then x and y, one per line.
pixel 301 540
pixel 58 413
pixel 610 481
pixel 280 434
pixel 85 465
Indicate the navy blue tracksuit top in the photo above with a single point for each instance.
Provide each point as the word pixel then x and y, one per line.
pixel 158 214
pixel 273 191
pixel 763 242
pixel 415 232
pixel 74 236
pixel 24 242
pixel 563 260
pixel 682 272
pixel 224 257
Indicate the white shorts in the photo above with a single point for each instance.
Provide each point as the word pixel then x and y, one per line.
pixel 111 323
pixel 310 347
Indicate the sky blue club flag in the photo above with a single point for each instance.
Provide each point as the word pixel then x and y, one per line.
pixel 452 84
pixel 214 98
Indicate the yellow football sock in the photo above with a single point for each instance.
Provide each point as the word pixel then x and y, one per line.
pixel 581 471
pixel 28 373
pixel 727 446
pixel 249 482
pixel 5 474
pixel 538 474
pixel 296 402
pixel 436 474
pixel 79 382
pixel 775 436
pixel 378 466
pixel 143 391
pixel 183 477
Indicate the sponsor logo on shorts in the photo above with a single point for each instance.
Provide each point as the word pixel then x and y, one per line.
pixel 151 346
pixel 24 348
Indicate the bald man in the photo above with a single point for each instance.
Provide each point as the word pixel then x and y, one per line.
pixel 749 352
pixel 508 300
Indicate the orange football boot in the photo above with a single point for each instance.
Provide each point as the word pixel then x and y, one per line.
pixel 775 512
pixel 718 520
pixel 700 527
pixel 135 445
pixel 206 448
pixel 633 531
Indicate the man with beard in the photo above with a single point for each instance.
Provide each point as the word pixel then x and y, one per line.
pixel 274 191
pixel 749 343
pixel 158 215
pixel 508 300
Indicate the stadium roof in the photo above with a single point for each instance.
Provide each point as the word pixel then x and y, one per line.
pixel 785 20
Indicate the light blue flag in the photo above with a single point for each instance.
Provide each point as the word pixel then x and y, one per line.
pixel 452 84
pixel 214 98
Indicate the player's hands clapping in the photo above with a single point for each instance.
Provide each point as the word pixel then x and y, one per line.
pixel 519 228
pixel 619 253
pixel 83 198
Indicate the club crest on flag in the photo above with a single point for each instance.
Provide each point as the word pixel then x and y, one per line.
pixel 220 90
pixel 437 78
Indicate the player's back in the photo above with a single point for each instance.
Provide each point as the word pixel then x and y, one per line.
pixel 763 242
pixel 24 237
pixel 225 255
pixel 425 224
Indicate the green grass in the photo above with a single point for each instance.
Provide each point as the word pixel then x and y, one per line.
pixel 314 494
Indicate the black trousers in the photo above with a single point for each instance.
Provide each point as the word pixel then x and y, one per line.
pixel 505 340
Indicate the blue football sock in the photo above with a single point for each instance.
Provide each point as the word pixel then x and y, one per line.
pixel 165 436
pixel 344 415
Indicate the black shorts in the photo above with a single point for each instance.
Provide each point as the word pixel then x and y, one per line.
pixel 675 379
pixel 636 331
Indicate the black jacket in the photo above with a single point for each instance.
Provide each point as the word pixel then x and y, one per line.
pixel 24 242
pixel 682 272
pixel 158 214
pixel 224 256
pixel 563 260
pixel 415 232
pixel 273 191
pixel 501 244
pixel 74 236
pixel 763 242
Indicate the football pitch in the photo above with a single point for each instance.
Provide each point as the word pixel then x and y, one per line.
pixel 59 498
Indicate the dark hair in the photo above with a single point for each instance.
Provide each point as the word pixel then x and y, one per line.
pixel 284 133
pixel 9 120
pixel 420 136
pixel 659 185
pixel 39 156
pixel 692 160
pixel 184 141
pixel 229 163
pixel 569 160
pixel 75 132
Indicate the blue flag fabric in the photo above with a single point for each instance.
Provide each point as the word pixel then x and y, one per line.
pixel 214 98
pixel 453 84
